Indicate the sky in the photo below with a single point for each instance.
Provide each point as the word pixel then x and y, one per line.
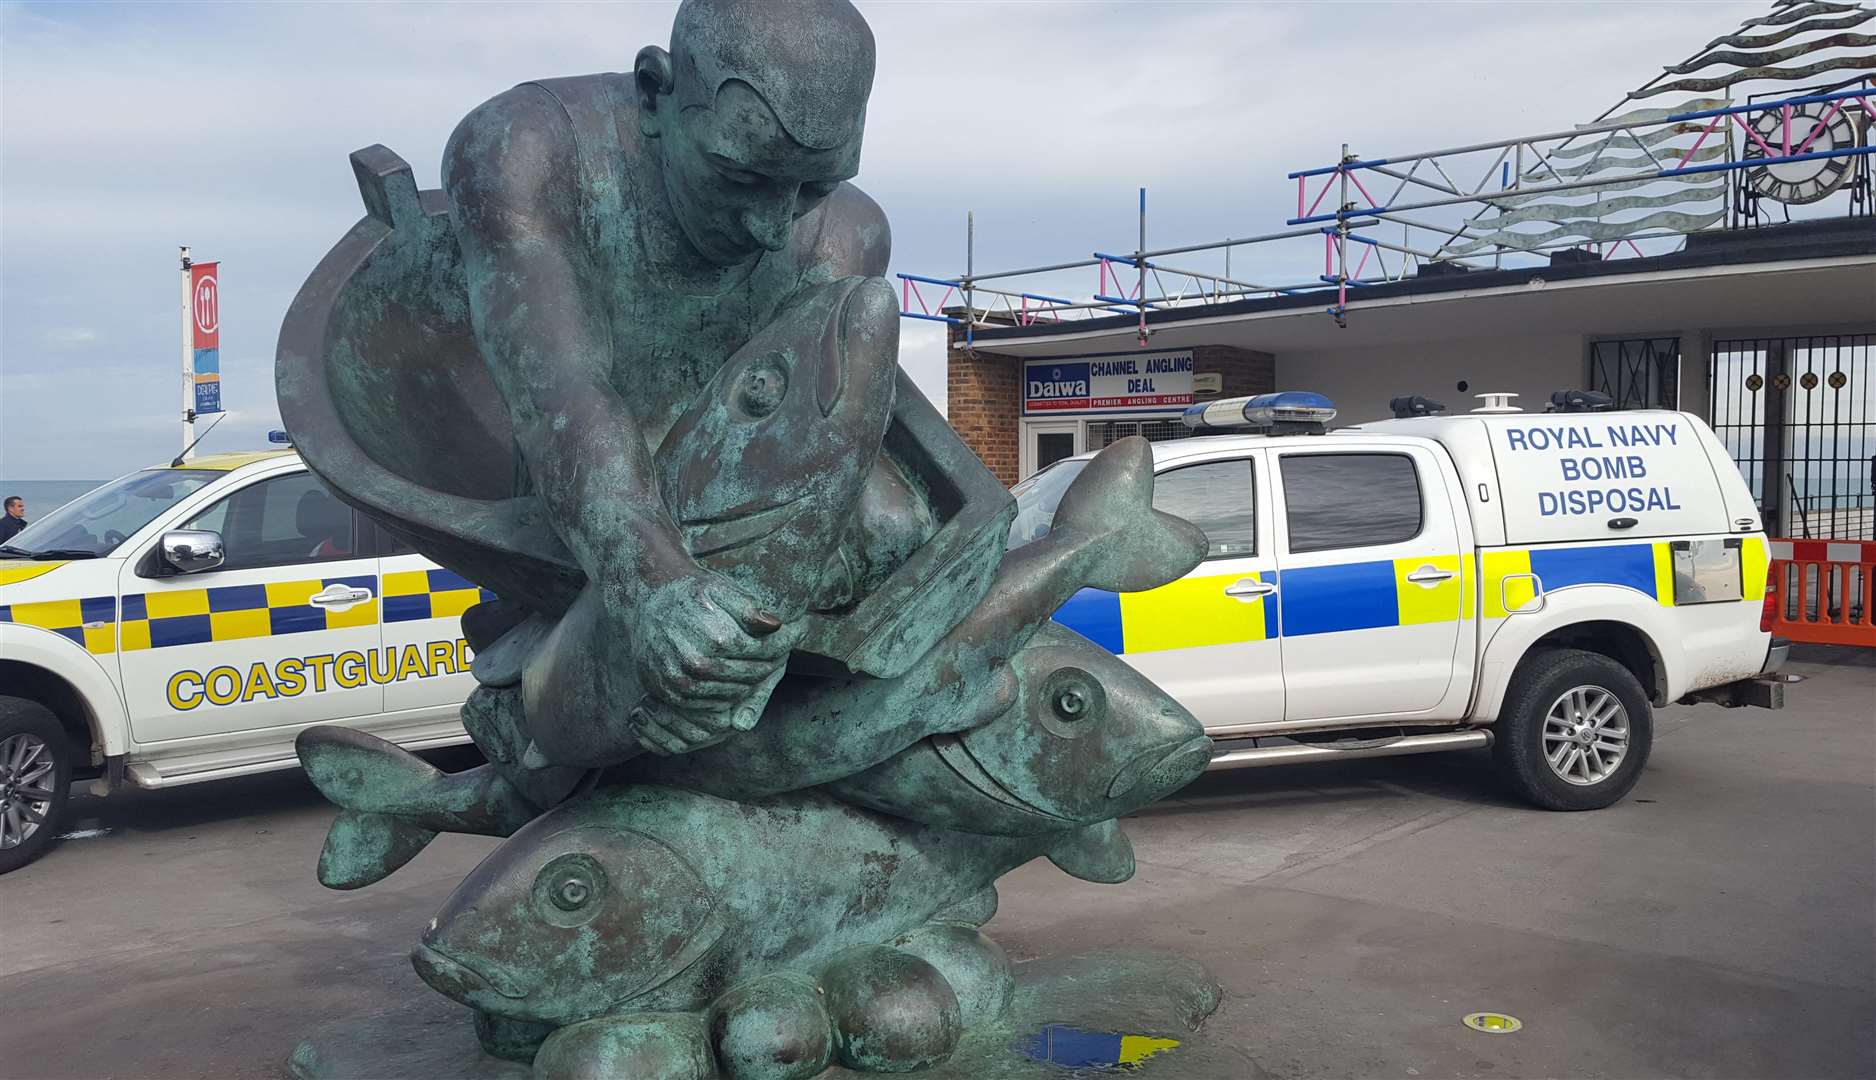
pixel 126 130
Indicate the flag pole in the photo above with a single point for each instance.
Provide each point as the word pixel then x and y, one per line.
pixel 188 359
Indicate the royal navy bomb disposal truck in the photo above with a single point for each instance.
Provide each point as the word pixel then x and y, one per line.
pixel 1534 582
pixel 183 623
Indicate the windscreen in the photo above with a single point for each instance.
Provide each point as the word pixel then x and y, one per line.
pixel 94 524
pixel 1037 498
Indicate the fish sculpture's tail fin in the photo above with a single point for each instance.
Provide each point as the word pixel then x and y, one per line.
pixel 1098 852
pixel 392 803
pixel 1108 512
pixel 362 848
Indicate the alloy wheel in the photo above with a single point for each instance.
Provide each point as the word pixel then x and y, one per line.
pixel 1586 735
pixel 26 770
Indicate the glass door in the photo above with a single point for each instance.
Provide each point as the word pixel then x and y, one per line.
pixel 1047 442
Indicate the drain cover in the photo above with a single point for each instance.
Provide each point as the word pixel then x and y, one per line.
pixel 1493 1023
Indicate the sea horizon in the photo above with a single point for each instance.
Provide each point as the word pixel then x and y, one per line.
pixel 44 496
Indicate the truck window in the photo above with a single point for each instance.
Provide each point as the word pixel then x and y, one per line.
pixel 99 521
pixel 1350 500
pixel 1037 498
pixel 1218 497
pixel 281 522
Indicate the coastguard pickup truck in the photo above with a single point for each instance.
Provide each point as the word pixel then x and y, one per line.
pixel 1533 582
pixel 184 623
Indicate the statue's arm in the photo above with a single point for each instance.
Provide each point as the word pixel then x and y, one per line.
pixel 510 173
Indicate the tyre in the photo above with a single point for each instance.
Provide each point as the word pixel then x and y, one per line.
pixel 1575 730
pixel 35 780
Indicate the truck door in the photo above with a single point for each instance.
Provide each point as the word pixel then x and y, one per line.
pixel 1372 584
pixel 423 606
pixel 1211 639
pixel 284 632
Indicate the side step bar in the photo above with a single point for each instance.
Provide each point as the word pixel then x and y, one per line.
pixel 1293 754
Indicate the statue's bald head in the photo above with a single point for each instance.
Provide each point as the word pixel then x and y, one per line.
pixel 810 60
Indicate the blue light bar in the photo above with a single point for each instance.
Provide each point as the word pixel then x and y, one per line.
pixel 1283 410
pixel 279 438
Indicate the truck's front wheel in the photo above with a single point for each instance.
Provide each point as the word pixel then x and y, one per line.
pixel 35 779
pixel 1575 730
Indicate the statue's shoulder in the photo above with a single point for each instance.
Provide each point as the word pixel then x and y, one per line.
pixel 534 132
pixel 852 236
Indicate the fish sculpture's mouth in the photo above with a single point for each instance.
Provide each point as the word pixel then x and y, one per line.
pixel 456 980
pixel 1158 773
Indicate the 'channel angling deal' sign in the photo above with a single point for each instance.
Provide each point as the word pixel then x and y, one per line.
pixel 1113 382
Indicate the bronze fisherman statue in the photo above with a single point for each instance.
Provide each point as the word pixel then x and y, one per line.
pixel 767 707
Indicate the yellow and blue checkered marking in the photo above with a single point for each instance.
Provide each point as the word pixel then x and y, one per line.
pixel 429 594
pixel 159 620
pixel 1341 597
pixel 90 622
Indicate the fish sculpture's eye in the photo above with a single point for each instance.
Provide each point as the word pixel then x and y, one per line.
pixel 568 889
pixel 762 386
pixel 1072 697
pixel 572 892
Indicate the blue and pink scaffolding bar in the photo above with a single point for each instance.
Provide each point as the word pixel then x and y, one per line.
pixel 1122 279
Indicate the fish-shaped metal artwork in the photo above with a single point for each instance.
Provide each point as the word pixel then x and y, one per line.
pixel 762 477
pixel 1106 535
pixel 642 900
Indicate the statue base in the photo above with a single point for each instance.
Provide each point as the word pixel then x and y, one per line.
pixel 1073 1016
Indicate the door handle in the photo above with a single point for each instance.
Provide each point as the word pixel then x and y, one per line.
pixel 1249 589
pixel 1429 575
pixel 1623 523
pixel 339 595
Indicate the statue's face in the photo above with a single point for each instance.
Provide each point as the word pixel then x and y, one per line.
pixel 735 178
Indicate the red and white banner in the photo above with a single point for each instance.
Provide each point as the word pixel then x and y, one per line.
pixel 205 334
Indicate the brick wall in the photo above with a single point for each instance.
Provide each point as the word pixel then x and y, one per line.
pixel 1245 371
pixel 984 402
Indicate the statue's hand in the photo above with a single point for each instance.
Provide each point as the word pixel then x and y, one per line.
pixel 703 649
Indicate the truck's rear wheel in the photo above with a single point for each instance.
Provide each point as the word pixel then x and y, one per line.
pixel 1575 730
pixel 35 780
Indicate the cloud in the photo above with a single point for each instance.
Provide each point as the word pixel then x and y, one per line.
pixel 126 129
pixel 65 337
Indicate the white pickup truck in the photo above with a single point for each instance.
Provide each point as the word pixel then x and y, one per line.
pixel 1532 582
pixel 1538 581
pixel 183 623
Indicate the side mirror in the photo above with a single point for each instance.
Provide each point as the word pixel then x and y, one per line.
pixel 191 551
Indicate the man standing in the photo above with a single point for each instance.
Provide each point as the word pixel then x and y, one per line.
pixel 15 519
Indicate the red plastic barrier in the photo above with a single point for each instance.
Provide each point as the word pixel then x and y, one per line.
pixel 1823 591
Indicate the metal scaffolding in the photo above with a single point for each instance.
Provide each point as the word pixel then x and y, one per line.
pixel 1632 183
pixel 1518 175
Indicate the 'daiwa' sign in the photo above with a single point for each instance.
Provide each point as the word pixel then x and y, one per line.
pixel 1113 382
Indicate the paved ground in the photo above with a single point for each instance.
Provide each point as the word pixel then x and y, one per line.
pixel 1721 922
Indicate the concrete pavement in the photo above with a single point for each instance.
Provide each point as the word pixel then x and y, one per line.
pixel 1720 922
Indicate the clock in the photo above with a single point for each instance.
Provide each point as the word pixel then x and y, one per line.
pixel 1797 182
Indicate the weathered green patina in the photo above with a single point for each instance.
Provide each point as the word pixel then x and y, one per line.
pixel 766 707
